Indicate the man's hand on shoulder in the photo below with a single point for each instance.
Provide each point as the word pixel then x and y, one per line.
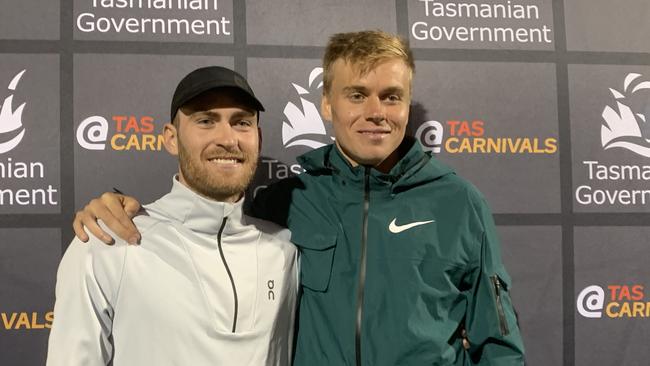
pixel 116 211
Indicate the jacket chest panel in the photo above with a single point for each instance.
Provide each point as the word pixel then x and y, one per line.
pixel 405 228
pixel 407 233
pixel 161 288
pixel 262 280
pixel 238 287
pixel 277 285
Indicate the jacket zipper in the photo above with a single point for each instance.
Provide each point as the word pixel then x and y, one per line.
pixel 225 264
pixel 362 264
pixel 503 324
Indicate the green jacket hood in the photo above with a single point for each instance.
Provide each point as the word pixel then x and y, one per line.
pixel 415 167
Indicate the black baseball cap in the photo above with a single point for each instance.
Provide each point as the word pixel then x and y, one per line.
pixel 207 78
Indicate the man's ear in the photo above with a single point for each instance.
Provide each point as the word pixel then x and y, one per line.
pixel 170 137
pixel 326 107
pixel 259 137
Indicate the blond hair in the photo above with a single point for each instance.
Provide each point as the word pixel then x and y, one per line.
pixel 364 50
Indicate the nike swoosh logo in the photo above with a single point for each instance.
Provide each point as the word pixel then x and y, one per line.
pixel 396 229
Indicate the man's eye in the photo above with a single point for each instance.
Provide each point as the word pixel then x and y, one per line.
pixel 393 98
pixel 356 97
pixel 204 121
pixel 243 123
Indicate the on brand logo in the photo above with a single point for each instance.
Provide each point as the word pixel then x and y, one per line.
pixel 270 284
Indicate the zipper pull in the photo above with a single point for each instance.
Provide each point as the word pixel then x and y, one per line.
pixel 497 287
pixel 503 324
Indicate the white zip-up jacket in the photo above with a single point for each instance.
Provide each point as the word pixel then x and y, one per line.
pixel 206 286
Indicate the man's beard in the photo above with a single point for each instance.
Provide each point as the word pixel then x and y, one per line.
pixel 214 186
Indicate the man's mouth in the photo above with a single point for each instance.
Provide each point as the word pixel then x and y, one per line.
pixel 374 133
pixel 226 160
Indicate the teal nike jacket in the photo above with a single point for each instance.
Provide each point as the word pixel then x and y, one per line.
pixel 394 265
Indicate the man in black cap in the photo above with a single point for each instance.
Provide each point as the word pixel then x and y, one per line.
pixel 208 285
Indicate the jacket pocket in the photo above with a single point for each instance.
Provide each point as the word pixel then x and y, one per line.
pixel 316 256
pixel 499 287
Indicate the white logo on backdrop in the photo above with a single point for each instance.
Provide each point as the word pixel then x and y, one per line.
pixel 92 133
pixel 430 136
pixel 11 120
pixel 305 127
pixel 591 301
pixel 625 128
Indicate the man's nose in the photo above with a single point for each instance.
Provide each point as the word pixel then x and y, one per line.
pixel 375 110
pixel 225 135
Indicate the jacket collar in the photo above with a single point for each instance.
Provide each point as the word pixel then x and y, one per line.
pixel 414 167
pixel 197 213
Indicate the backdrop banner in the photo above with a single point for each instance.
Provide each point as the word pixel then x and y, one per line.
pixel 543 105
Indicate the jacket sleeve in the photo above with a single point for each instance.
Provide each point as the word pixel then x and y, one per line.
pixel 274 202
pixel 82 326
pixel 491 322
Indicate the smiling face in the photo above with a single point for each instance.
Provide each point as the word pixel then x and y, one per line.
pixel 369 111
pixel 217 140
